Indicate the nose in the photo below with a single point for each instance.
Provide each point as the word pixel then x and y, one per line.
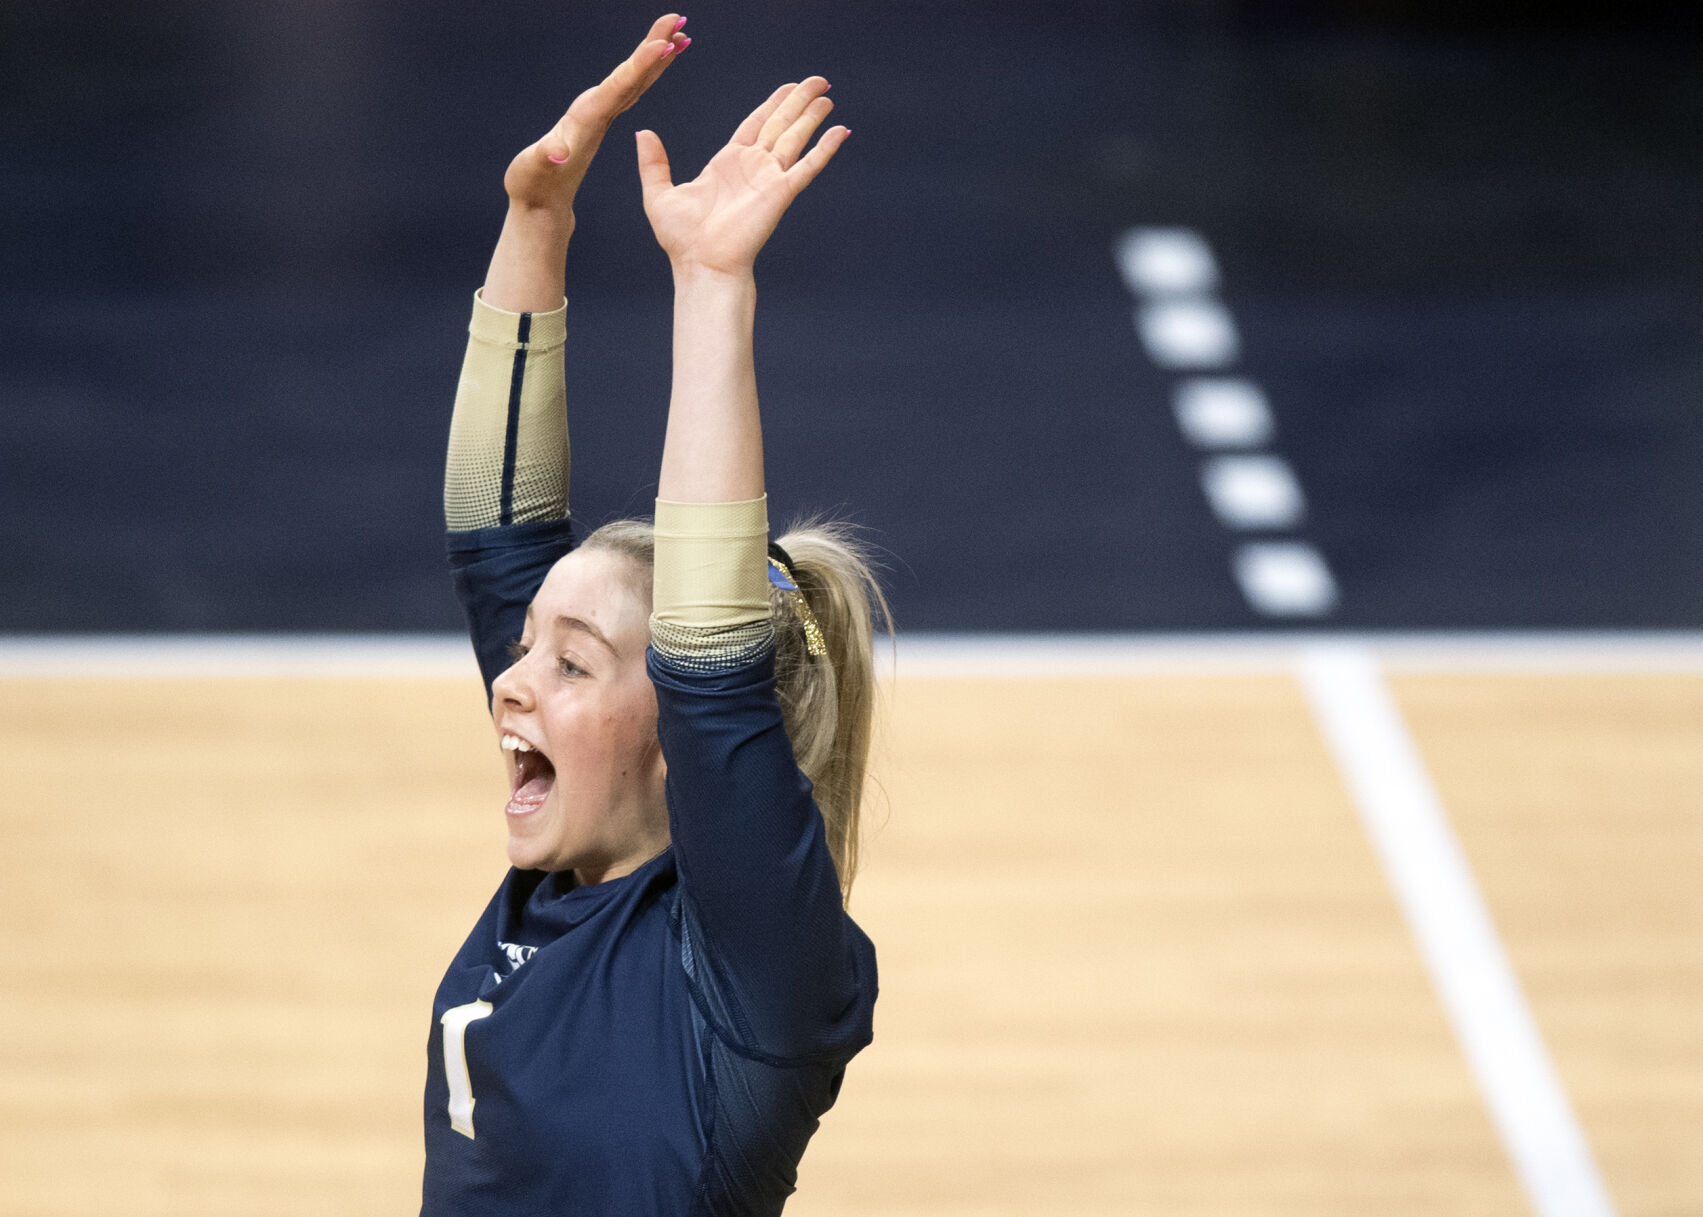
pixel 512 687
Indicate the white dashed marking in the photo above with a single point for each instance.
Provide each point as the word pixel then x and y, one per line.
pixel 1166 261
pixel 1174 276
pixel 1188 334
pixel 1252 492
pixel 1222 412
pixel 1285 579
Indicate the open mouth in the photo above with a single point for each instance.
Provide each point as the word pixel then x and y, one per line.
pixel 534 776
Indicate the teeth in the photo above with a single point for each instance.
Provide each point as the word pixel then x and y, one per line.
pixel 513 743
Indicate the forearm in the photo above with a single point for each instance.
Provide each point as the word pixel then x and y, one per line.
pixel 713 449
pixel 711 603
pixel 508 445
pixel 711 588
pixel 528 267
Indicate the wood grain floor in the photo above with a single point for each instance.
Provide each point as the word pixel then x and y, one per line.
pixel 1137 956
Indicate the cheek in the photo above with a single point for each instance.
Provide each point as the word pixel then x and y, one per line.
pixel 617 731
pixel 630 725
pixel 635 721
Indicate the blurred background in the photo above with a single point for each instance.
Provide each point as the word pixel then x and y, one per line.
pixel 1446 258
pixel 1196 354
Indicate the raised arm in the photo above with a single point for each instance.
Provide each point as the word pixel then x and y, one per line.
pixel 507 468
pixel 712 229
pixel 793 977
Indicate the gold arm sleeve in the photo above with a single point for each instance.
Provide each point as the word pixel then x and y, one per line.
pixel 508 437
pixel 710 605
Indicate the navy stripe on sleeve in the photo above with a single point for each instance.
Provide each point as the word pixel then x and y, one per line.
pixel 511 437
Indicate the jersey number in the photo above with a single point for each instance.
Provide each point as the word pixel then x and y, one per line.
pixel 455 1022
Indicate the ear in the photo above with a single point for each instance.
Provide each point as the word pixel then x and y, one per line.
pixel 654 766
pixel 655 779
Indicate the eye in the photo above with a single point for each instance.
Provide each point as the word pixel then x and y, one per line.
pixel 517 651
pixel 569 668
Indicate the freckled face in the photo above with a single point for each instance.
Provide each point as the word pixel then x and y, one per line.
pixel 577 713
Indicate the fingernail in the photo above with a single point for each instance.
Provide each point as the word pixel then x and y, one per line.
pixel 555 160
pixel 667 51
pixel 680 23
pixel 685 44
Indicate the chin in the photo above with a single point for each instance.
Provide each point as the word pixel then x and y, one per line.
pixel 526 853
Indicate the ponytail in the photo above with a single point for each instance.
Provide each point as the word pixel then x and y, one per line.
pixel 828 702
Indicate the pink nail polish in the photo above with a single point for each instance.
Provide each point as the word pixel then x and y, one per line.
pixel 679 23
pixel 685 44
pixel 555 160
pixel 666 51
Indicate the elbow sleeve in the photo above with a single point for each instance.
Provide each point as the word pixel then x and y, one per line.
pixel 508 437
pixel 710 606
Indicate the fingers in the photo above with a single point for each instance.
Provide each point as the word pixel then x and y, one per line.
pixel 814 161
pixel 663 41
pixel 793 140
pixel 662 45
pixel 654 177
pixel 617 92
pixel 791 107
pixel 633 75
pixel 665 27
pixel 747 131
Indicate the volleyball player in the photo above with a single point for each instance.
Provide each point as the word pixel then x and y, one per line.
pixel 660 1000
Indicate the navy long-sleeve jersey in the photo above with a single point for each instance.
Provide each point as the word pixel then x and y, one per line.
pixel 665 1042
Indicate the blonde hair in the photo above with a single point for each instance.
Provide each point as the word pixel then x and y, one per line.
pixel 827 702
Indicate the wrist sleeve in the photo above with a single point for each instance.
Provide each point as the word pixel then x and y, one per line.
pixel 508 437
pixel 710 605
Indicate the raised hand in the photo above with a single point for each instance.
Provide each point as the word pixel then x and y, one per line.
pixel 546 175
pixel 720 220
pixel 526 273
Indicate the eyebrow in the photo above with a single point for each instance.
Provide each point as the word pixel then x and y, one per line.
pixel 566 621
pixel 580 623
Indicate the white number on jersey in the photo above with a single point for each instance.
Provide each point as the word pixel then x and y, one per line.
pixel 455 1022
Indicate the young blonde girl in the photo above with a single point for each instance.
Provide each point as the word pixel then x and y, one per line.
pixel 660 1000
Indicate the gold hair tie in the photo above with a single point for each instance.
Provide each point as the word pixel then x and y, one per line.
pixel 781 577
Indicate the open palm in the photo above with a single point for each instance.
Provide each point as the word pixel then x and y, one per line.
pixel 721 219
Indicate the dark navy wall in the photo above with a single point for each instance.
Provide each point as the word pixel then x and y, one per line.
pixel 1464 264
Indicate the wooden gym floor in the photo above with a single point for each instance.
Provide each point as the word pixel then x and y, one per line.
pixel 1137 953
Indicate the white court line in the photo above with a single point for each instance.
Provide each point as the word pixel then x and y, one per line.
pixel 994 656
pixel 298 656
pixel 920 654
pixel 1456 937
